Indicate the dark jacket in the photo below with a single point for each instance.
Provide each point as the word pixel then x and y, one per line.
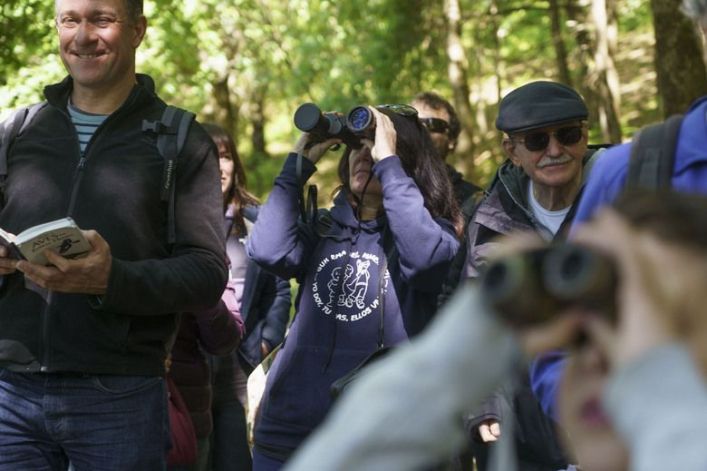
pixel 216 331
pixel 505 209
pixel 463 190
pixel 468 196
pixel 115 190
pixel 338 316
pixel 265 310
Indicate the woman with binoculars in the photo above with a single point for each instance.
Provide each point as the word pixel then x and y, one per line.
pixel 369 271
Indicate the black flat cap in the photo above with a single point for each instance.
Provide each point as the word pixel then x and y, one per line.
pixel 539 104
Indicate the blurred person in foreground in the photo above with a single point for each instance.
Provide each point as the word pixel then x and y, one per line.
pixel 618 400
pixel 608 180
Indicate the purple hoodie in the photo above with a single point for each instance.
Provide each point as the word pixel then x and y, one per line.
pixel 338 316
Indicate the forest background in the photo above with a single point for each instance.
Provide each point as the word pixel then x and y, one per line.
pixel 248 64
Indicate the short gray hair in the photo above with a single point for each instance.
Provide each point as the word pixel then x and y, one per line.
pixel 696 9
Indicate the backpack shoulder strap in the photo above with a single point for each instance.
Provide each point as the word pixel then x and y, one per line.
pixel 172 130
pixel 13 127
pixel 590 158
pixel 653 155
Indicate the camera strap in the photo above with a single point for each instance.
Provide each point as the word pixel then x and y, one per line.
pixel 383 267
pixel 307 206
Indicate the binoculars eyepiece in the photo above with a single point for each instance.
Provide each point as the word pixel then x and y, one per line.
pixel 531 287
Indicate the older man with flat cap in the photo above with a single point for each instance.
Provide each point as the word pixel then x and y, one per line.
pixel 545 126
pixel 537 188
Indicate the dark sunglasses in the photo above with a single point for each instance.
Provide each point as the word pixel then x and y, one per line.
pixel 435 125
pixel 539 140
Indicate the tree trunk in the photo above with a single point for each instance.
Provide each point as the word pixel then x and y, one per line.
pixel 577 16
pixel 612 37
pixel 559 44
pixel 604 76
pixel 257 120
pixel 225 112
pixel 457 71
pixel 678 58
pixel 497 64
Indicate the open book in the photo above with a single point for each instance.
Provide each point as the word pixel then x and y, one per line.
pixel 62 236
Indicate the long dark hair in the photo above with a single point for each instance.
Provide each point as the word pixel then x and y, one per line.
pixel 418 156
pixel 237 194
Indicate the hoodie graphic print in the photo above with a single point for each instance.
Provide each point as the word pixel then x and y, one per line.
pixel 342 291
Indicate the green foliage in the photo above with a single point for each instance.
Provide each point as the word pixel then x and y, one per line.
pixel 27 51
pixel 337 53
pixel 23 25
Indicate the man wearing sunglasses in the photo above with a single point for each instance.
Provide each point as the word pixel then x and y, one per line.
pixel 440 119
pixel 536 189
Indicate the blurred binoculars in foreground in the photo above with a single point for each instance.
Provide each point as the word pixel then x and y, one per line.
pixel 531 287
pixel 357 124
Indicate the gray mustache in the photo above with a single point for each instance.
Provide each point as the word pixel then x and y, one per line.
pixel 548 161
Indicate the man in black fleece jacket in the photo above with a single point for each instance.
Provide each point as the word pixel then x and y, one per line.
pixel 83 342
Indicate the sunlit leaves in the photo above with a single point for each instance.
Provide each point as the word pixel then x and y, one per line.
pixel 338 53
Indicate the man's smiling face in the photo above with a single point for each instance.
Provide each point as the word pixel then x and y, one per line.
pixel 97 41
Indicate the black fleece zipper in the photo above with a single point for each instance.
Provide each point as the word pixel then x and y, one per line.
pixel 76 183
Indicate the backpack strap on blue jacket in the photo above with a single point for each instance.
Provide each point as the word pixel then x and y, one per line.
pixel 653 155
pixel 13 127
pixel 172 130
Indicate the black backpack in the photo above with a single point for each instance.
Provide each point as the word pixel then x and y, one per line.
pixel 171 130
pixel 653 155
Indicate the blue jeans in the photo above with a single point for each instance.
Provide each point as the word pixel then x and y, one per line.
pixel 230 448
pixel 101 422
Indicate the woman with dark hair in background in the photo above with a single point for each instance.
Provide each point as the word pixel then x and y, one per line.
pixel 264 303
pixel 369 272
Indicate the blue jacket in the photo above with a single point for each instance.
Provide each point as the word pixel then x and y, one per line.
pixel 338 317
pixel 606 181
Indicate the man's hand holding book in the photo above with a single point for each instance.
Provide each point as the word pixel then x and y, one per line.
pixel 87 275
pixel 58 256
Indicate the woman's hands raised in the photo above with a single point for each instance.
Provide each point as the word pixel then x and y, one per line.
pixel 313 150
pixel 385 141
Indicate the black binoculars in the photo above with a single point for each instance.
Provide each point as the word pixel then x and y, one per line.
pixel 357 124
pixel 531 287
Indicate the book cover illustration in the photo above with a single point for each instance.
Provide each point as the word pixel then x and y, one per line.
pixel 62 236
